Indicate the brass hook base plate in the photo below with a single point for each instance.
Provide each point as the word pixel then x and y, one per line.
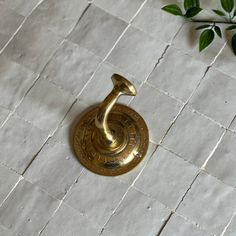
pixel 131 132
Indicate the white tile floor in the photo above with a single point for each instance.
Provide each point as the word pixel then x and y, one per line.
pixel 56 60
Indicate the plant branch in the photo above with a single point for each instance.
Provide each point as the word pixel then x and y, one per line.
pixel 212 21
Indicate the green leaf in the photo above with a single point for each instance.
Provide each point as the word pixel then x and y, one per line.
pixel 234 13
pixel 173 9
pixel 232 27
pixel 191 12
pixel 234 44
pixel 191 3
pixel 219 13
pixel 218 31
pixel 206 38
pixel 202 27
pixel 227 5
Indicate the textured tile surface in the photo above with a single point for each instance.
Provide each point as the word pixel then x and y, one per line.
pixel 158 109
pixel 124 9
pixel 97 31
pixel 101 194
pixel 70 222
pixel 139 211
pixel 226 62
pixel 231 230
pixel 178 226
pixel 221 107
pixel 15 82
pixel 71 67
pixel 166 178
pixel 32 46
pixel 27 210
pixel 45 105
pixel 3 115
pixel 5 232
pixel 151 20
pixel 193 136
pixel 137 52
pixel 54 170
pixel 223 163
pixel 19 143
pixel 57 59
pixel 59 16
pixel 8 179
pixel 170 76
pixel 23 7
pixel 213 195
pixel 9 25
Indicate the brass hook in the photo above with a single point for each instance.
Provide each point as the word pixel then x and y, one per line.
pixel 112 139
pixel 121 87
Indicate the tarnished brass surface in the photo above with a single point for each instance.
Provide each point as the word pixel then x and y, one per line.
pixel 112 139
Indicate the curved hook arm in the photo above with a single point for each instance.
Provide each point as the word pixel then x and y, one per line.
pixel 121 87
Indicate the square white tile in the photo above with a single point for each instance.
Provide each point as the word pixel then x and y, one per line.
pixel 69 222
pixel 176 77
pixel 216 198
pixel 45 105
pixel 222 164
pixel 166 178
pixel 124 9
pixel 55 169
pixel 59 16
pixel 193 136
pixel 27 210
pixel 15 81
pixel 22 7
pixel 216 97
pixel 157 109
pixel 19 143
pixel 152 18
pixel 9 25
pixel 137 215
pixel 71 67
pixel 32 46
pixel 102 195
pixel 97 31
pixel 137 53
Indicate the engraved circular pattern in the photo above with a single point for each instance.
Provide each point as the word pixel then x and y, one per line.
pixel 122 119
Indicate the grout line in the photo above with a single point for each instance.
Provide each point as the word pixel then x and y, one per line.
pixel 165 223
pixel 184 105
pixel 158 62
pixel 137 12
pixel 61 202
pixel 226 227
pixel 190 186
pixel 213 151
pixel 20 178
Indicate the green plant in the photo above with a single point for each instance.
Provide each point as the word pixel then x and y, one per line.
pixel 209 28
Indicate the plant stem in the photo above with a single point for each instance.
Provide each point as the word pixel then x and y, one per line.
pixel 211 21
